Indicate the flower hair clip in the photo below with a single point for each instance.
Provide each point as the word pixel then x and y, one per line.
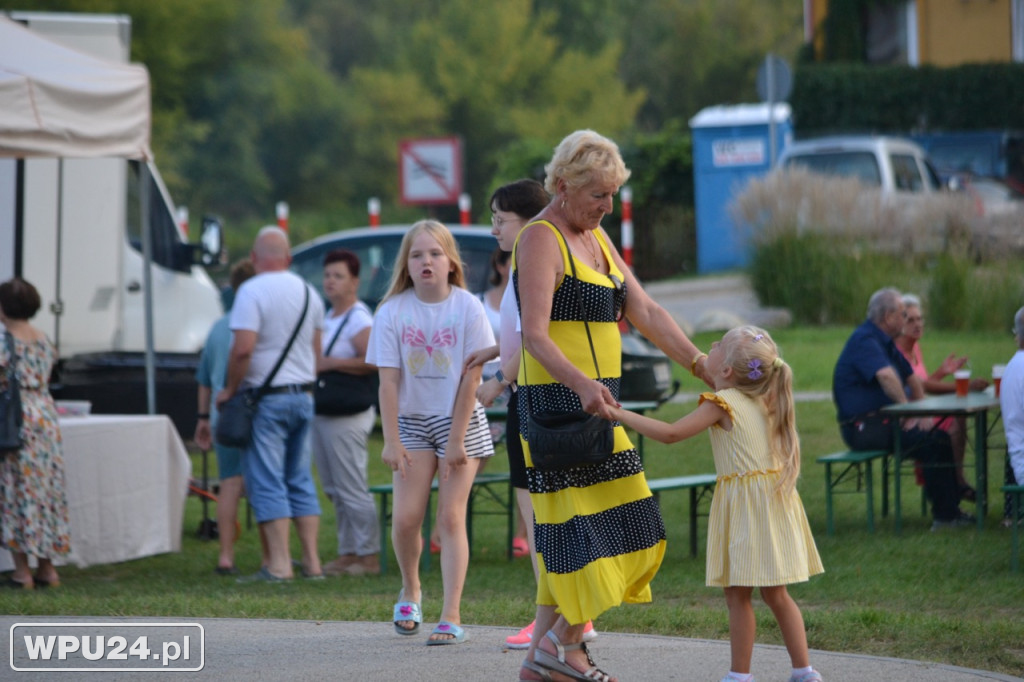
pixel 758 337
pixel 755 372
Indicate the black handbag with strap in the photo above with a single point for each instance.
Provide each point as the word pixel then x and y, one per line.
pixel 11 416
pixel 234 419
pixel 567 440
pixel 341 393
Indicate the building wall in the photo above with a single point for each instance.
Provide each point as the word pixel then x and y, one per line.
pixel 952 32
pixel 949 32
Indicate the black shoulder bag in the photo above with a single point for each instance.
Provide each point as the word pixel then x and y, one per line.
pixel 566 440
pixel 342 393
pixel 234 418
pixel 11 416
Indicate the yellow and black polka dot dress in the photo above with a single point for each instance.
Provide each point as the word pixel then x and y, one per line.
pixel 599 533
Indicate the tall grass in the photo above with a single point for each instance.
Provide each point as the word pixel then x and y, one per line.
pixel 945 597
pixel 821 245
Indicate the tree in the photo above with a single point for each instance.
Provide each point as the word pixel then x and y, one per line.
pixel 240 99
pixel 689 55
pixel 489 72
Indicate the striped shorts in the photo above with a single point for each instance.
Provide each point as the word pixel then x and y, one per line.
pixel 430 432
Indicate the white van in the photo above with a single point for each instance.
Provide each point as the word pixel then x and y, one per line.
pixel 892 164
pixel 73 227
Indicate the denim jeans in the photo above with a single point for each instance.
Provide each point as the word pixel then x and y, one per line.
pixel 277 464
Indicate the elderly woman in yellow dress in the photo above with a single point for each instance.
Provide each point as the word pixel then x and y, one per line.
pixel 599 533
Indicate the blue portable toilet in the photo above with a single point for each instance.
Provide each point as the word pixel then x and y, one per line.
pixel 731 145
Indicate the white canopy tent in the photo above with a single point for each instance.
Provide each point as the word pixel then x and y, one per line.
pixel 61 103
pixel 57 102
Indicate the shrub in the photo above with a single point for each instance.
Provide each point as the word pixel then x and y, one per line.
pixel 817 282
pixel 947 293
pixel 822 245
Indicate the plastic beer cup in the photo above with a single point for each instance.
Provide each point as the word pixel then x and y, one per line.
pixel 963 379
pixel 997 377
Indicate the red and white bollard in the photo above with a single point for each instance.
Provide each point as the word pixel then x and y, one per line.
pixel 182 217
pixel 464 205
pixel 373 206
pixel 627 226
pixel 282 215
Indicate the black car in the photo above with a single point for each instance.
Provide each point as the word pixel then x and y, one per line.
pixel 646 371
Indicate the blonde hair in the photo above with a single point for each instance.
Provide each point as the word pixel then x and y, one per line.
pixel 582 157
pixel 400 277
pixel 759 372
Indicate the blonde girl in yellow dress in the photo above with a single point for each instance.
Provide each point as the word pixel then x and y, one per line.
pixel 758 535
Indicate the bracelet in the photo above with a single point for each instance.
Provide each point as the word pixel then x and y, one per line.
pixel 693 365
pixel 203 415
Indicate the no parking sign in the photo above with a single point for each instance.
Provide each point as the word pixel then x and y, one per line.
pixel 430 170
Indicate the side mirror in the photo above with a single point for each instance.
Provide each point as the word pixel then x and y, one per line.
pixel 211 240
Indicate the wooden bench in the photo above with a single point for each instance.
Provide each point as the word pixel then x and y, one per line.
pixel 699 486
pixel 487 488
pixel 853 463
pixel 1016 493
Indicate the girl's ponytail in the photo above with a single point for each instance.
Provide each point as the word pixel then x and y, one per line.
pixel 760 373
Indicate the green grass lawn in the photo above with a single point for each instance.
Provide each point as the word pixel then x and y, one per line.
pixel 945 597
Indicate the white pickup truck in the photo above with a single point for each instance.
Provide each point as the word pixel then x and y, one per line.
pixel 892 164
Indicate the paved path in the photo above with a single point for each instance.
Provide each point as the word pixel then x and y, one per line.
pixel 245 650
pixel 714 303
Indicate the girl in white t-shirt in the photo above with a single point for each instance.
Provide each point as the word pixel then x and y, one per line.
pixel 422 333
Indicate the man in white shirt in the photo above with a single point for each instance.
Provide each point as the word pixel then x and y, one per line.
pixel 1011 401
pixel 276 465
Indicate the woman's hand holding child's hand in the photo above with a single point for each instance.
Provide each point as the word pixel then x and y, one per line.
pixel 488 391
pixel 610 412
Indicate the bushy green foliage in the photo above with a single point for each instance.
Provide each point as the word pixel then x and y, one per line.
pixel 665 241
pixel 947 292
pixel 817 282
pixel 825 280
pixel 993 297
pixel 858 97
pixel 821 245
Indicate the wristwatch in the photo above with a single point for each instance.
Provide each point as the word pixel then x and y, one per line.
pixel 500 376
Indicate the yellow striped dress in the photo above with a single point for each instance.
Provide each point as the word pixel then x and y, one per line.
pixel 599 533
pixel 757 537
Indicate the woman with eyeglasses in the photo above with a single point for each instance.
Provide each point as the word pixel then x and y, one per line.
pixel 909 344
pixel 598 531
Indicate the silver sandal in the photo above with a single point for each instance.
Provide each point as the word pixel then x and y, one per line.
pixel 558 664
pixel 545 674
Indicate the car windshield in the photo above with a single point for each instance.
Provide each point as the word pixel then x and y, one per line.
pixel 849 164
pixel 377 256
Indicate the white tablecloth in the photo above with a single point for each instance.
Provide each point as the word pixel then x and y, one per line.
pixel 127 479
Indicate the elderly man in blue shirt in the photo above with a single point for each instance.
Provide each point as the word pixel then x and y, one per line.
pixel 872 373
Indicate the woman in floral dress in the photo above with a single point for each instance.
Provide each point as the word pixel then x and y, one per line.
pixel 33 505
